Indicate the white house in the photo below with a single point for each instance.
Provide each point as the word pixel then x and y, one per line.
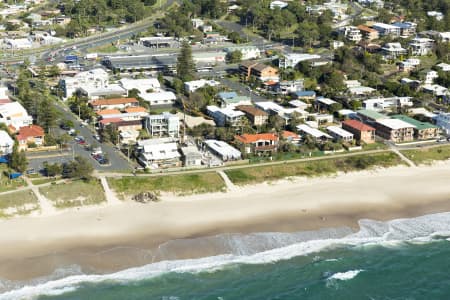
pixel 386 29
pixel 435 89
pixel 393 50
pixel 6 143
pixel 380 104
pixel 248 52
pixel 305 130
pixel 278 4
pixel 159 98
pixel 165 124
pixel 430 76
pixel 444 67
pixel 192 86
pixel 156 154
pixel 340 134
pixel 290 60
pixel 95 78
pixel 435 14
pixel 144 85
pixel 14 114
pixel 18 44
pixel 225 116
pixel 222 150
pixel 352 33
pixel 421 46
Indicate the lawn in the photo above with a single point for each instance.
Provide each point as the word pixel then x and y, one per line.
pixel 18 203
pixel 75 193
pixel 7 184
pixel 312 168
pixel 42 180
pixel 179 184
pixel 427 155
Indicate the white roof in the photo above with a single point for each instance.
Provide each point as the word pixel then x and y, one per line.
pixel 224 149
pixel 5 139
pixel 384 26
pixel 140 84
pixel 312 131
pixel 269 105
pixel 13 109
pixel 422 111
pixel 229 112
pixel 361 90
pixel 142 143
pixel 161 151
pixel 395 124
pixel 326 101
pixel 298 103
pixel 346 112
pixel 301 56
pixel 339 131
pixel 110 89
pixel 158 96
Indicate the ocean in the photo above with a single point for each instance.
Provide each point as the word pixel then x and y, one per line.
pixel 398 259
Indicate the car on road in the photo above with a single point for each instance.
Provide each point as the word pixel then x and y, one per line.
pixel 97 137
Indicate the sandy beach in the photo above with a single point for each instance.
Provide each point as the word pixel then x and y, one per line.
pixel 108 238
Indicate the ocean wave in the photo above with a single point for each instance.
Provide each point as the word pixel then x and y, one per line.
pixel 244 251
pixel 345 275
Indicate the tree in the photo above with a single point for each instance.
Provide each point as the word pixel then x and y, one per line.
pixel 18 160
pixel 185 63
pixel 52 169
pixel 234 57
pixel 54 71
pixel 78 168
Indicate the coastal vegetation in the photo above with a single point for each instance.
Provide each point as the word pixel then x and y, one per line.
pixel 74 194
pixel 179 184
pixel 18 203
pixel 428 155
pixel 312 168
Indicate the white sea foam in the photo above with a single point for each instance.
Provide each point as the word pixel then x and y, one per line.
pixel 345 275
pixel 390 233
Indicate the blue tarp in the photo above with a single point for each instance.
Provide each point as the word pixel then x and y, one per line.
pixel 14 175
pixel 4 159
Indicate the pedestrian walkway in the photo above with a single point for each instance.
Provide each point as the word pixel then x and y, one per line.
pixel 230 185
pixel 46 206
pixel 404 158
pixel 111 197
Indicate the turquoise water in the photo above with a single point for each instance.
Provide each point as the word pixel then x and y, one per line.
pixel 400 259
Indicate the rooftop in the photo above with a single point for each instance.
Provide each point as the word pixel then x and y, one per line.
pixel 418 124
pixel 395 124
pixel 253 138
pixel 358 125
pixel 114 101
pixel 371 114
pixel 30 131
pixel 339 131
pixel 251 110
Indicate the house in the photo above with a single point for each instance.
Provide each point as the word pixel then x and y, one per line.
pixel 165 124
pixel 106 112
pixel 143 85
pixel 435 89
pixel 369 116
pixel 14 114
pixel 18 44
pixel 261 71
pixel 96 78
pixel 322 103
pixel 443 121
pixel 406 28
pixel 337 44
pixel 340 134
pixel 406 66
pixel 393 50
pixel 387 29
pixel 305 130
pixel 290 137
pixel 258 143
pixel 368 33
pixel 191 156
pixel 278 4
pixel 289 86
pixel 159 98
pixel 422 130
pixel 256 116
pixel 394 130
pixel 222 150
pixel 225 116
pixel 115 103
pixel 231 100
pixel 29 135
pixel 158 153
pixel 197 23
pixel 361 131
pixel 299 104
pixel 290 60
pixel 430 76
pixel 436 14
pixel 421 46
pixel 390 103
pixel 305 95
pixel 248 52
pixel 352 33
pixel 6 143
pixel 192 86
pixel 444 67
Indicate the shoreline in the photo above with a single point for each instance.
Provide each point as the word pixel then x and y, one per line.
pixel 110 238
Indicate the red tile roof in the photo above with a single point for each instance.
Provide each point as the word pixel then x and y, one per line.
pixel 108 112
pixel 135 109
pixel 30 131
pixel 289 134
pixel 115 101
pixel 358 125
pixel 252 138
pixel 110 120
pixel 365 28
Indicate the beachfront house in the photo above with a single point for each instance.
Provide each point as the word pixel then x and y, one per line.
pixel 422 130
pixel 318 135
pixel 395 130
pixel 362 132
pixel 261 143
pixel 158 153
pixel 340 134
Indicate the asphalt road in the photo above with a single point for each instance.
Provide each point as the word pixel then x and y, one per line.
pixel 242 90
